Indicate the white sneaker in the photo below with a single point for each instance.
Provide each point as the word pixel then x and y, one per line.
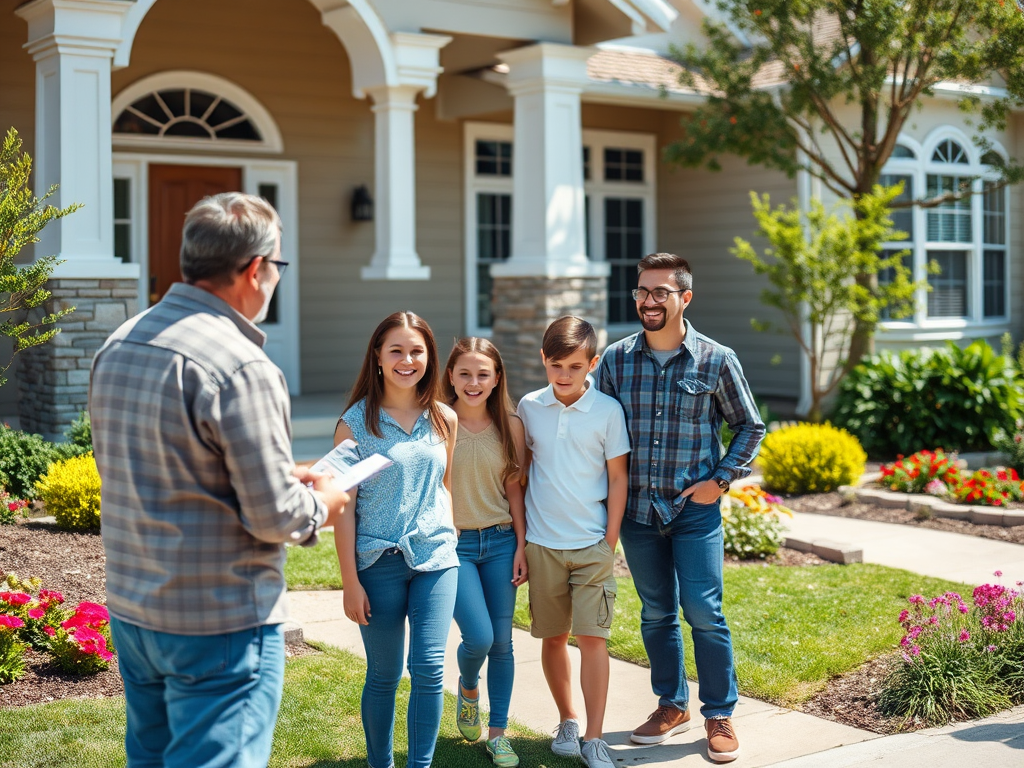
pixel 567 739
pixel 595 754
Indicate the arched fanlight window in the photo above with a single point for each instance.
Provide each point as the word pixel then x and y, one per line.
pixel 901 152
pixel 188 113
pixel 992 157
pixel 948 151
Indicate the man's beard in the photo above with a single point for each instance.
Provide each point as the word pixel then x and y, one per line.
pixel 655 324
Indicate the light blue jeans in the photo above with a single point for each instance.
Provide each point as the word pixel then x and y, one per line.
pixel 200 701
pixel 428 599
pixel 680 564
pixel 483 611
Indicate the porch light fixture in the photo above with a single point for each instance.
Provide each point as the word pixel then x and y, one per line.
pixel 362 204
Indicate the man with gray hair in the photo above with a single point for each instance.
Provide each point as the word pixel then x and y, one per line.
pixel 192 434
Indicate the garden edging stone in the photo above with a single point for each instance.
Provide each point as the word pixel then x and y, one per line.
pixel 833 551
pixel 916 502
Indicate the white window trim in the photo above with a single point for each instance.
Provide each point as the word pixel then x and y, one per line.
pixel 596 189
pixel 920 327
pixel 475 185
pixel 255 171
pixel 183 78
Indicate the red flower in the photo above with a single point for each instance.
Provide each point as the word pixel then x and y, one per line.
pixel 15 598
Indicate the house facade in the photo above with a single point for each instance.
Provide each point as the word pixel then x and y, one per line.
pixel 487 164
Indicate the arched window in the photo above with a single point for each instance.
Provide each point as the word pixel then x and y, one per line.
pixel 186 112
pixel 902 152
pixel 197 111
pixel 949 151
pixel 964 234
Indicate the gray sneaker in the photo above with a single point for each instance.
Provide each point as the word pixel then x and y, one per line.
pixel 595 754
pixel 567 739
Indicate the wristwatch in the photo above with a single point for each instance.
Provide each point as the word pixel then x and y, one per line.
pixel 723 484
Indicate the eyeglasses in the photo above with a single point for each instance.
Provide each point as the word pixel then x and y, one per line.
pixel 281 265
pixel 660 294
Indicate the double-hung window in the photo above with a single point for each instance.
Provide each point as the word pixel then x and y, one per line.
pixel 619 210
pixel 964 236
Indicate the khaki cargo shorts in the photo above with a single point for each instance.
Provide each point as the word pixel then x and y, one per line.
pixel 571 590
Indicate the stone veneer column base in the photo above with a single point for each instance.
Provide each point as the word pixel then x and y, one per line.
pixel 524 307
pixel 53 378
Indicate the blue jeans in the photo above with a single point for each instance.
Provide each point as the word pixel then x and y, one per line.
pixel 680 564
pixel 483 611
pixel 428 599
pixel 200 701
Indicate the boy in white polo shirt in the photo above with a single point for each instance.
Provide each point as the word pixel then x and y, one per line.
pixel 575 500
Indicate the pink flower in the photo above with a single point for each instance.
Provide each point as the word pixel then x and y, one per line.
pixel 919 599
pixel 50 631
pixel 997 574
pixel 990 648
pixel 903 615
pixel 964 635
pixel 36 613
pixel 915 651
pixel 50 596
pixel 12 622
pixel 92 642
pixel 15 598
pixel 87 615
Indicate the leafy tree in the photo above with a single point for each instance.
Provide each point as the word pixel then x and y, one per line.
pixel 810 265
pixel 22 217
pixel 827 85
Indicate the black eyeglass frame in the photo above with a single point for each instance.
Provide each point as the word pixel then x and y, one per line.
pixel 654 292
pixel 281 265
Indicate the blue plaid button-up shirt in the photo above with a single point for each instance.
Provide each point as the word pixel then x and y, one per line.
pixel 674 415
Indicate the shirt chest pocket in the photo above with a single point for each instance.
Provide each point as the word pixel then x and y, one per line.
pixel 693 399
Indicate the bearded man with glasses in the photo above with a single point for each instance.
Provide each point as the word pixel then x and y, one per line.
pixel 192 436
pixel 677 387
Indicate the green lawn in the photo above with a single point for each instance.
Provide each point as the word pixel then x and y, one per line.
pixel 792 628
pixel 319 726
pixel 313 567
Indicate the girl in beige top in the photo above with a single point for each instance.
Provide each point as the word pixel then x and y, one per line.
pixel 490 516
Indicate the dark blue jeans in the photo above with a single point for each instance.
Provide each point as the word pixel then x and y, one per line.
pixel 200 701
pixel 680 565
pixel 427 598
pixel 483 610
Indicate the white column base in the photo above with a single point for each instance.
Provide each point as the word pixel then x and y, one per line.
pixel 395 272
pixel 95 269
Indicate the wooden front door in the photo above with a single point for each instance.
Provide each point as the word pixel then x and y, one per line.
pixel 173 190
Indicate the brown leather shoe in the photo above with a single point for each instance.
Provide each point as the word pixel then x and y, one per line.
pixel 723 746
pixel 663 723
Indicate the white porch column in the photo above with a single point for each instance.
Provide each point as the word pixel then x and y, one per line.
pixel 415 69
pixel 73 43
pixel 395 257
pixel 548 237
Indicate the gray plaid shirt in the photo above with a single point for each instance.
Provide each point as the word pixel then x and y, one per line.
pixel 674 414
pixel 192 433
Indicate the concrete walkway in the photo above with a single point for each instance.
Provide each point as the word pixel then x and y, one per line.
pixel 769 735
pixel 953 556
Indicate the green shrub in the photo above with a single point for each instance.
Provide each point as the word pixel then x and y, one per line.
pixel 750 523
pixel 24 458
pixel 71 491
pixel 1012 444
pixel 957 399
pixel 80 432
pixel 810 458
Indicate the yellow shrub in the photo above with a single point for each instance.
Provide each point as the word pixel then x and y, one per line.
pixel 71 491
pixel 810 458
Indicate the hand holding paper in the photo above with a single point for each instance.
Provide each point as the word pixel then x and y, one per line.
pixel 345 467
